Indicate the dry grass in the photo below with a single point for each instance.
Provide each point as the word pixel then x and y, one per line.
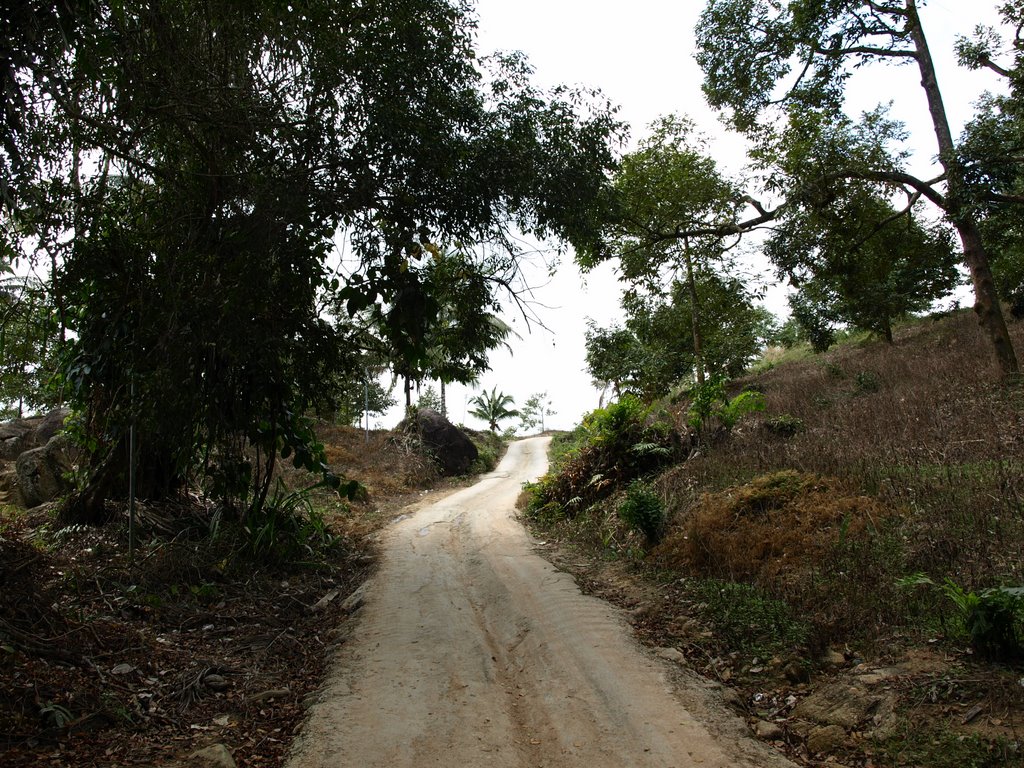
pixel 773 531
pixel 923 426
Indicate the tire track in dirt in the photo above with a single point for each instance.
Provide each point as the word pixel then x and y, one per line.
pixel 472 650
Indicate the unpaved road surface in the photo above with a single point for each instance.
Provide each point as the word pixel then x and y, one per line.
pixel 472 650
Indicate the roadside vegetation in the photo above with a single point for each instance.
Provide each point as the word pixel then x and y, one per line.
pixel 870 510
pixel 209 634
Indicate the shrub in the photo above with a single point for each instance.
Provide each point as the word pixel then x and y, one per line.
pixel 865 383
pixel 989 617
pixel 612 446
pixel 784 425
pixel 772 531
pixel 710 401
pixel 745 618
pixel 643 511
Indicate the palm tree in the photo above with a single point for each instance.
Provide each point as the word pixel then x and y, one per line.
pixel 493 407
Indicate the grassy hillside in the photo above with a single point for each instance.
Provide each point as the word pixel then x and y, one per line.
pixel 873 507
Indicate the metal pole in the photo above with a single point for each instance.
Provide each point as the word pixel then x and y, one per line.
pixel 131 480
pixel 366 404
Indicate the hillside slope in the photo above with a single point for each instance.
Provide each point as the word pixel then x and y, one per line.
pixel 848 559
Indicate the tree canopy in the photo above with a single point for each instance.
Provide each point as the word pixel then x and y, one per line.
pixel 779 71
pixel 654 352
pixel 860 262
pixel 185 169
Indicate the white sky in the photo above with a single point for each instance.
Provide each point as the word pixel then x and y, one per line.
pixel 640 54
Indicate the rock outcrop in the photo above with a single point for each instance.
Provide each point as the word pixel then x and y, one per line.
pixel 35 458
pixel 446 443
pixel 42 472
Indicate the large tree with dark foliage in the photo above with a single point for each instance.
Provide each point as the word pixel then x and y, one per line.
pixel 779 69
pixel 188 167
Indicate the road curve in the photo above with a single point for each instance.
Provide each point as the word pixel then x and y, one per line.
pixel 472 650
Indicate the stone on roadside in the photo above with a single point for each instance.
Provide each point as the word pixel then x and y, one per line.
pixel 215 756
pixel 825 738
pixel 669 654
pixel 769 731
pixel 449 446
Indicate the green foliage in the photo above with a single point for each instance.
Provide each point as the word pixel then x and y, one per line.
pixel 643 510
pixel 490 448
pixel 493 407
pixel 822 162
pixel 990 617
pixel 784 425
pixel 534 411
pixel 710 402
pixel 865 383
pixel 856 260
pixel 429 398
pixel 938 747
pixel 287 528
pixel 29 346
pixel 668 185
pixel 612 446
pixel 655 352
pixel 206 156
pixel 744 617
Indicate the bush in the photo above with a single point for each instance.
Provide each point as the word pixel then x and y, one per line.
pixel 784 425
pixel 612 446
pixel 643 511
pixel 989 617
pixel 745 618
pixel 710 401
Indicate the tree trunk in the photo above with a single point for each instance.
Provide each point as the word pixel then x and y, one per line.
pixel 698 341
pixel 987 307
pixel 444 403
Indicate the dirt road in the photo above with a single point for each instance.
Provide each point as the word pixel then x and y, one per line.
pixel 472 650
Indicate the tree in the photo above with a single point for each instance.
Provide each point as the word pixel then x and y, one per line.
pixel 28 345
pixel 664 190
pixel 991 149
pixel 748 48
pixel 534 411
pixel 659 342
pixel 613 357
pixel 453 298
pixel 206 154
pixel 429 398
pixel 493 407
pixel 859 261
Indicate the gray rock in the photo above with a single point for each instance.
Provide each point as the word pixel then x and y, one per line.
pixel 41 472
pixel 825 738
pixel 670 654
pixel 9 491
pixel 835 658
pixel 838 704
pixel 16 437
pixel 797 672
pixel 449 446
pixel 215 756
pixel 51 424
pixel 355 601
pixel 769 731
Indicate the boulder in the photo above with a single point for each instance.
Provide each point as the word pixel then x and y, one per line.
pixel 9 491
pixel 41 472
pixel 446 443
pixel 825 738
pixel 50 425
pixel 215 756
pixel 16 437
pixel 838 704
